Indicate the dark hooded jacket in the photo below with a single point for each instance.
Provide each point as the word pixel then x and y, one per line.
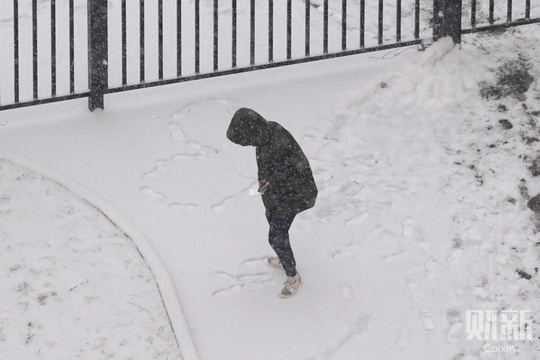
pixel 280 161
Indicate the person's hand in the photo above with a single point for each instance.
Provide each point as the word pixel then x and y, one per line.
pixel 263 186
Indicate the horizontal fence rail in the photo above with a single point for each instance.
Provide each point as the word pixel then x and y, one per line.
pixel 56 50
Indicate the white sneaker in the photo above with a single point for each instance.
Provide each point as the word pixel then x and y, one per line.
pixel 275 263
pixel 291 286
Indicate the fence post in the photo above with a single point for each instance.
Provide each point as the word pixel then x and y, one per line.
pixel 97 53
pixel 447 19
pixel 437 19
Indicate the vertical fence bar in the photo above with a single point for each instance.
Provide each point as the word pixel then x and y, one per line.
pixel 509 12
pixel 417 19
pixel 234 33
pixel 197 37
pixel 270 31
pixel 325 30
pixel 381 19
pixel 124 44
pixel 71 47
pixel 142 76
pixel 160 39
pixel 308 26
pixel 97 53
pixel 437 19
pixel 252 32
pixel 457 10
pixel 53 48
pixel 528 9
pixel 344 25
pixel 216 38
pixel 16 50
pixel 289 29
pixel 398 20
pixel 473 13
pixel 35 49
pixel 491 11
pixel 178 38
pixel 362 23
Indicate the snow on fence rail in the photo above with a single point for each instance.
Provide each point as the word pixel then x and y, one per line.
pixel 57 50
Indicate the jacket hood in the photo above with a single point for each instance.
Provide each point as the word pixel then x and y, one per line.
pixel 248 128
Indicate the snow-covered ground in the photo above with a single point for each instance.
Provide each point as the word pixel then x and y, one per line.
pixel 422 212
pixel 73 284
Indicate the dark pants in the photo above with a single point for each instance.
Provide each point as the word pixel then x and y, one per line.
pixel 278 237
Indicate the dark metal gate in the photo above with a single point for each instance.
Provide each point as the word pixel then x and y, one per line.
pixel 34 69
pixel 56 50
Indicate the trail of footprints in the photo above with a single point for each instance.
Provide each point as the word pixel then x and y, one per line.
pixel 244 280
pixel 255 279
pixel 355 329
pixel 194 152
pixel 431 274
pixel 240 282
pixel 248 280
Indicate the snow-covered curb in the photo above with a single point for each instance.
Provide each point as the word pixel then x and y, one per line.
pixel 166 288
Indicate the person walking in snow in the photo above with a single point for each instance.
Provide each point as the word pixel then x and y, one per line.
pixel 285 182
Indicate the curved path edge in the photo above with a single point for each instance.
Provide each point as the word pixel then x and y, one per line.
pixel 165 286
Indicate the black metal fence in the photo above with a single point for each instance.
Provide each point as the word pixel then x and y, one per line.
pixel 56 50
pixel 21 53
pixel 261 34
pixel 498 14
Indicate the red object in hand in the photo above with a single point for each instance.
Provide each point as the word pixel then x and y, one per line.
pixel 263 188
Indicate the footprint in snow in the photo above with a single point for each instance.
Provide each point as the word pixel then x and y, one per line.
pixel 150 175
pixel 199 157
pixel 408 228
pixel 356 329
pixel 160 166
pixel 223 101
pixel 189 157
pixel 427 319
pixel 357 220
pixel 194 144
pixel 185 207
pixel 242 281
pixel 185 111
pixel 227 202
pixel 205 150
pixel 255 262
pixel 188 109
pixel 152 194
pixel 347 292
pixel 312 134
pixel 176 131
pixel 347 251
pixel 181 157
